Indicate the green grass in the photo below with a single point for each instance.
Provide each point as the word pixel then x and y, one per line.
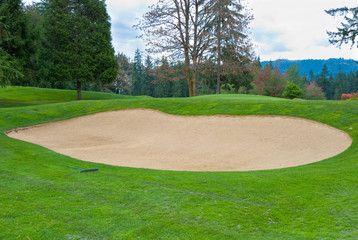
pixel 19 96
pixel 42 200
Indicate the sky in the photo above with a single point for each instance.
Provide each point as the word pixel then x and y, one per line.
pixel 289 29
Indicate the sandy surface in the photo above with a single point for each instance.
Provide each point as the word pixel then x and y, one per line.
pixel 152 139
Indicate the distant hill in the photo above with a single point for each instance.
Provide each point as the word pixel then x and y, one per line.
pixel 334 65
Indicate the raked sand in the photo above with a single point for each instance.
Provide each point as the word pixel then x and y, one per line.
pixel 145 138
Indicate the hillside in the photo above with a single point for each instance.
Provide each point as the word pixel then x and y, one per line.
pixel 334 65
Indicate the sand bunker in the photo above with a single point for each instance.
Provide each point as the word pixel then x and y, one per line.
pixel 152 139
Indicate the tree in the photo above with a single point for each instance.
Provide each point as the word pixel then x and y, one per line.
pixel 78 42
pixel 15 43
pixel 324 83
pixel 270 82
pixel 164 75
pixel 262 78
pixel 137 75
pixel 122 82
pixel 231 46
pixel 314 92
pixel 292 91
pixel 311 76
pixel 348 31
pixel 276 84
pixel 353 82
pixel 148 78
pixel 8 71
pixel 293 75
pixel 35 22
pixel 178 27
pixel 342 85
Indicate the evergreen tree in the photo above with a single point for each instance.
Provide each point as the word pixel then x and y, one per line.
pixel 164 74
pixel 16 46
pixel 293 75
pixel 332 85
pixel 137 75
pixel 180 88
pixel 148 78
pixel 353 82
pixel 78 42
pixel 180 85
pixel 342 85
pixel 8 71
pixel 35 17
pixel 292 91
pixel 311 76
pixel 324 83
pixel 348 32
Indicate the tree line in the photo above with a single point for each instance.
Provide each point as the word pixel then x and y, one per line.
pixel 320 86
pixel 199 47
pixel 164 78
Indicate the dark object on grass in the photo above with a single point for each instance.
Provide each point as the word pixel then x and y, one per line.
pixel 81 170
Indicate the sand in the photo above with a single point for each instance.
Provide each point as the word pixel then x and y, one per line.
pixel 143 138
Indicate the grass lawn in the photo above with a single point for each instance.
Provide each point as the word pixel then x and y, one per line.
pixel 42 200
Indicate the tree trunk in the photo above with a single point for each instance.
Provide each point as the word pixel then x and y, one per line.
pixel 186 48
pixel 195 77
pixel 79 91
pixel 188 77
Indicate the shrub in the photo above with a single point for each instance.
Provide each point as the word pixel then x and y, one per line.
pixel 352 96
pixel 292 91
pixel 314 92
pixel 345 96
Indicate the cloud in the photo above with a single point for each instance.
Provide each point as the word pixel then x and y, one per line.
pixel 300 26
pixel 289 29
pixel 125 14
pixel 268 41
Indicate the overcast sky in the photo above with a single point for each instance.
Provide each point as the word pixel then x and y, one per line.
pixel 291 29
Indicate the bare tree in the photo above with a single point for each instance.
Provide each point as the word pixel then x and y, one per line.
pixel 177 27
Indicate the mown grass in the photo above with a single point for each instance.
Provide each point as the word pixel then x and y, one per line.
pixel 42 200
pixel 18 96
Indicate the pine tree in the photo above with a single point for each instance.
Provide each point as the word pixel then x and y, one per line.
pixel 342 85
pixel 137 75
pixel 35 18
pixel 164 75
pixel 8 70
pixel 348 32
pixel 324 83
pixel 311 76
pixel 148 78
pixel 16 45
pixel 78 42
pixel 353 82
pixel 293 75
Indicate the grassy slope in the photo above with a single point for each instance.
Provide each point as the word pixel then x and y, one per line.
pixel 18 96
pixel 41 200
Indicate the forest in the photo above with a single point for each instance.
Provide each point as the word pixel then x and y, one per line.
pixel 67 45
